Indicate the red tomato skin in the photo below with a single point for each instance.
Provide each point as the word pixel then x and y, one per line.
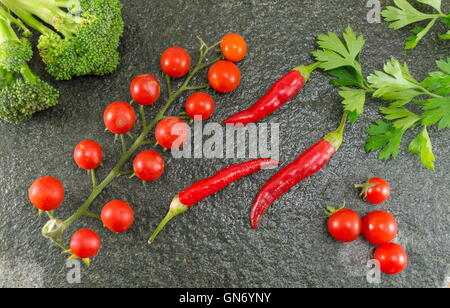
pixel 119 118
pixel 175 62
pixel 145 89
pixel 380 227
pixel 88 155
pixel 345 225
pixel 117 216
pixel 166 137
pixel 85 244
pixel 234 47
pixel 224 76
pixel 200 105
pixel 392 257
pixel 148 166
pixel 379 193
pixel 46 194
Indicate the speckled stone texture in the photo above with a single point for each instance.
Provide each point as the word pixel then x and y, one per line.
pixel 213 245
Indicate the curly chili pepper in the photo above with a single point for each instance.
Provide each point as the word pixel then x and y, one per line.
pixel 280 93
pixel 306 165
pixel 203 189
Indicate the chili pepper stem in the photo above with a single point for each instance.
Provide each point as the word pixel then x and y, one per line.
pixel 337 137
pixel 306 71
pixel 176 208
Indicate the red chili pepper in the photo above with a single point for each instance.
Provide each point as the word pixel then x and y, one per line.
pixel 280 93
pixel 203 189
pixel 306 165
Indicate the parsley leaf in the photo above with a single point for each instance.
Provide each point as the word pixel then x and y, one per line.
pixel 405 119
pixel 419 34
pixel 347 77
pixel 405 14
pixel 444 65
pixel 422 146
pixel 385 137
pixel 354 100
pixel 437 110
pixel 439 82
pixel 436 4
pixel 335 53
pixel 395 83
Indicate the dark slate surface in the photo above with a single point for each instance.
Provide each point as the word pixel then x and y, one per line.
pixel 212 245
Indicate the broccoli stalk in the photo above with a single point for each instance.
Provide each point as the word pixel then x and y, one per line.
pixel 21 92
pixel 78 37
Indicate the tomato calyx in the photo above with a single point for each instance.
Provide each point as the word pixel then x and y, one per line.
pixel 365 187
pixel 86 261
pixel 330 211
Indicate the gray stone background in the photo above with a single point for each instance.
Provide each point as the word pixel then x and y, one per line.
pixel 212 245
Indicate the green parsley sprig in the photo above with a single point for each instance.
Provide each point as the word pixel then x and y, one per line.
pixel 404 14
pixel 397 87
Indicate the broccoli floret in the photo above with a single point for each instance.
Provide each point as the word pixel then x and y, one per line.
pixel 83 38
pixel 21 92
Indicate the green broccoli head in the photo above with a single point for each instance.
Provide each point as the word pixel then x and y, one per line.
pixel 20 99
pixel 21 92
pixel 87 34
pixel 15 54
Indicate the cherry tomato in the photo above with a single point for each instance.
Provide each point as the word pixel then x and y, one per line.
pixel 200 105
pixel 88 155
pixel 145 90
pixel 171 133
pixel 224 76
pixel 234 47
pixel 148 166
pixel 345 225
pixel 119 118
pixel 117 216
pixel 176 62
pixel 375 190
pixel 380 227
pixel 392 257
pixel 46 194
pixel 85 244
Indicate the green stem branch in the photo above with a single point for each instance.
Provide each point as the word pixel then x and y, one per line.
pixel 140 141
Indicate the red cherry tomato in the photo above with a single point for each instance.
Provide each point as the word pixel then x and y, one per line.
pixel 345 225
pixel 234 47
pixel 88 155
pixel 148 166
pixel 119 118
pixel 117 216
pixel 392 257
pixel 46 194
pixel 375 190
pixel 200 105
pixel 380 227
pixel 85 244
pixel 145 90
pixel 224 76
pixel 171 133
pixel 176 62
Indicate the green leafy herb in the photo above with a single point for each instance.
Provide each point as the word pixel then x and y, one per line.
pixel 354 100
pixel 385 137
pixel 341 59
pixel 404 14
pixel 422 146
pixel 395 85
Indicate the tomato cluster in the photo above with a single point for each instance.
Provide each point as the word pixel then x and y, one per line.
pixel 379 227
pixel 47 194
